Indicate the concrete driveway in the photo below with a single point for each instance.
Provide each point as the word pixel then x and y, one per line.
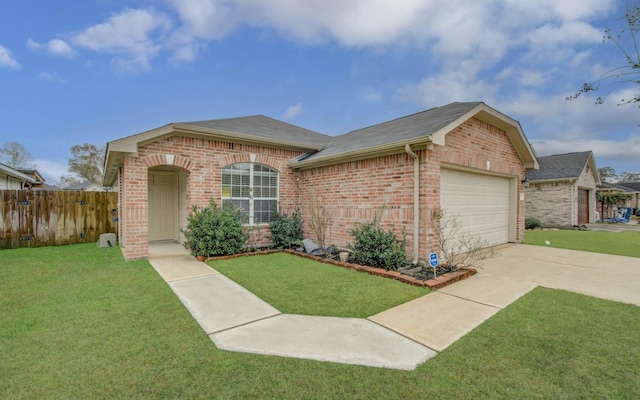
pixel 593 274
pixel 439 319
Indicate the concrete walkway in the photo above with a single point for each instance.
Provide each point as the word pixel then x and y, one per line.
pixel 402 337
pixel 237 320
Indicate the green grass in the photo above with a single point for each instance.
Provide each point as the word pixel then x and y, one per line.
pixel 618 243
pixel 78 322
pixel 296 285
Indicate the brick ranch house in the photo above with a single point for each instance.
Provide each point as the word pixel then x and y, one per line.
pixel 466 158
pixel 562 192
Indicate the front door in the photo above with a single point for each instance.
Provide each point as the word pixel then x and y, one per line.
pixel 162 206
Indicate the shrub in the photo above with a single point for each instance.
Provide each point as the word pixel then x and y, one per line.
pixel 531 223
pixel 376 247
pixel 457 247
pixel 286 231
pixel 214 232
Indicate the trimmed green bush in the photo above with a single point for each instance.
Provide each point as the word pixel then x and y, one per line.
pixel 376 247
pixel 286 231
pixel 212 231
pixel 531 223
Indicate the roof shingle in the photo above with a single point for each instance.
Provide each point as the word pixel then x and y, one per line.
pixel 560 166
pixel 265 127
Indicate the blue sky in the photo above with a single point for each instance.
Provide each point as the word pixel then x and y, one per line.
pixel 74 72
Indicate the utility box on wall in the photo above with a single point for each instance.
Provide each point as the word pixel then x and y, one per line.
pixel 107 240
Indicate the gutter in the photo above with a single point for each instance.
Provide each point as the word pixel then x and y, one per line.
pixel 416 203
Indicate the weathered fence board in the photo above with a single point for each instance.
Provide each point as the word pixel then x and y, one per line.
pixel 49 218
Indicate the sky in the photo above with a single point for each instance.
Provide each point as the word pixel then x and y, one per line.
pixel 92 71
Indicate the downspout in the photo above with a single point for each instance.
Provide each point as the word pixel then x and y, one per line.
pixel 416 203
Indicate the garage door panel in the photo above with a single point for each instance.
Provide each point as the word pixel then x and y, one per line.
pixel 479 202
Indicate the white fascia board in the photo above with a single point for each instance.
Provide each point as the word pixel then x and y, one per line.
pixel 16 174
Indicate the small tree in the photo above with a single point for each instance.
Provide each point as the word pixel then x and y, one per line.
pixel 609 201
pixel 457 247
pixel 214 232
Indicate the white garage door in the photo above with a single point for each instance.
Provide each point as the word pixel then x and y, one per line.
pixel 480 202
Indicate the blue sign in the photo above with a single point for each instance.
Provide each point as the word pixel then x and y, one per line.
pixel 433 259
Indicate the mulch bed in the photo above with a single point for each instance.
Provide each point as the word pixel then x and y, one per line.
pixel 422 278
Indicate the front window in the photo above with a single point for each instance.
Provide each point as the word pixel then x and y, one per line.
pixel 252 188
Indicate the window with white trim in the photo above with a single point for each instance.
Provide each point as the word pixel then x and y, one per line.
pixel 252 188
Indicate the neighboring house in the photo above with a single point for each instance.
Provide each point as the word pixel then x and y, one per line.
pixel 635 195
pixel 40 183
pixel 562 192
pixel 466 158
pixel 85 186
pixel 631 189
pixel 11 178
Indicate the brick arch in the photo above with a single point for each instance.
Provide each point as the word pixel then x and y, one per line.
pixel 257 158
pixel 155 160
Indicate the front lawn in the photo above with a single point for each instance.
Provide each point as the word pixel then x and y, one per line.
pixel 619 243
pixel 79 322
pixel 296 285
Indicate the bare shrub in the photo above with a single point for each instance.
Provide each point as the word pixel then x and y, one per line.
pixel 459 248
pixel 319 221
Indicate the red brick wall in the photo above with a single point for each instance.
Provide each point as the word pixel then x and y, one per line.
pixel 351 192
pixel 203 160
pixel 354 192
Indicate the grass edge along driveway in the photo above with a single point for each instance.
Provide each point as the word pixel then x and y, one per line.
pixel 79 322
pixel 296 285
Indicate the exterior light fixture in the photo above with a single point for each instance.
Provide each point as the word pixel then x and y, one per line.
pixel 525 182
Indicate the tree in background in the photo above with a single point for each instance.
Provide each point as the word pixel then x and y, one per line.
pixel 628 74
pixel 15 156
pixel 68 180
pixel 629 177
pixel 608 174
pixel 87 162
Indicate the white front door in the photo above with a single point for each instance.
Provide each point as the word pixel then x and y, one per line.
pixel 162 206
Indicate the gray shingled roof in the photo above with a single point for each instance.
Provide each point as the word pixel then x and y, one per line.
pixel 265 127
pixel 560 166
pixel 410 127
pixel 615 186
pixel 635 186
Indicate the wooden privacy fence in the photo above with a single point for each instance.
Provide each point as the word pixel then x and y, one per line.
pixel 51 218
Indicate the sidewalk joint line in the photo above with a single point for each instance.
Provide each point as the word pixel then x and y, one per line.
pixel 245 323
pixel 473 301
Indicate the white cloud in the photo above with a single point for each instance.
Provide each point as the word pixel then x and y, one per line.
pixel 370 95
pixel 129 36
pixel 7 60
pixel 51 77
pixel 56 47
pixel 446 87
pixel 293 111
pixel 51 170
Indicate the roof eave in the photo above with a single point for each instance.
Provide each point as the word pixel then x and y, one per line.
pixel 594 168
pixel 361 154
pixel 514 131
pixel 554 180
pixel 208 133
pixel 16 174
pixel 118 150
